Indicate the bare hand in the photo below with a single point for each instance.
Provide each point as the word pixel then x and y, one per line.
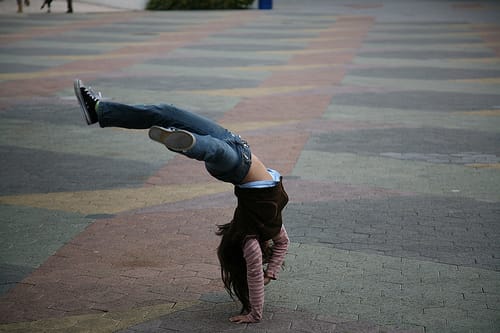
pixel 266 280
pixel 241 319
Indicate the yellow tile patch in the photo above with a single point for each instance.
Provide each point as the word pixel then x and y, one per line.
pixel 478 60
pixel 282 68
pixel 97 323
pixel 492 80
pixel 103 56
pixel 253 125
pixel 493 113
pixel 116 200
pixel 308 51
pixel 315 39
pixel 43 74
pixel 248 92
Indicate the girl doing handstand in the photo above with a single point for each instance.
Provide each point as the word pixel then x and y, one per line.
pixel 257 222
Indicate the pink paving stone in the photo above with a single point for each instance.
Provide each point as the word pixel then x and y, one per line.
pixel 323 58
pixel 224 200
pixel 133 257
pixel 283 154
pixel 277 108
pixel 355 21
pixel 492 37
pixel 33 87
pixel 314 77
pixel 333 125
pixel 286 147
pixel 181 170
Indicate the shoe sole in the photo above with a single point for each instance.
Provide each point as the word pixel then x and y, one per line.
pixel 173 139
pixel 79 97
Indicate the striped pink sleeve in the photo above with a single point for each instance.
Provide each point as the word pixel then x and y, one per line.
pixel 280 247
pixel 255 278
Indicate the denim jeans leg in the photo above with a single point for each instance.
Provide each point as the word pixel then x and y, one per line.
pixel 218 155
pixel 111 114
pixel 227 157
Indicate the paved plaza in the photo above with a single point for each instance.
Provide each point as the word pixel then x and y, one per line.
pixel 382 115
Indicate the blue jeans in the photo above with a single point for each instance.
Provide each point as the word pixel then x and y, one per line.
pixel 227 157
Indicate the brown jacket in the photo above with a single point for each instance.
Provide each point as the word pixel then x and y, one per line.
pixel 259 210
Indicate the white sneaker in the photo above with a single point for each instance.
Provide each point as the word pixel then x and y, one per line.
pixel 173 138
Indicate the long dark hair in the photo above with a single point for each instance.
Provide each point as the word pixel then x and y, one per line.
pixel 232 263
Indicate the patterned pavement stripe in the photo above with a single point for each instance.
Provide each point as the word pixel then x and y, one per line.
pixel 97 20
pixel 250 92
pixel 438 63
pixel 52 135
pixel 488 113
pixel 98 323
pixel 123 262
pixel 241 127
pixel 44 74
pixel 19 249
pixel 492 60
pixel 331 51
pixel 113 201
pixel 491 80
pixel 424 85
pixel 283 67
pixel 17 87
pixel 427 178
pixel 411 117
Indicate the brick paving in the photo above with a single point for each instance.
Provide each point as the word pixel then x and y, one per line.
pixel 383 118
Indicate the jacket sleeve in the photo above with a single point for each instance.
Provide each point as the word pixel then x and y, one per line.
pixel 255 277
pixel 280 248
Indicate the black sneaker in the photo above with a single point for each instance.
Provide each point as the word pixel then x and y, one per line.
pixel 87 98
pixel 173 138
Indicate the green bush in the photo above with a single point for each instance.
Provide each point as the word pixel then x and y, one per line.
pixel 197 4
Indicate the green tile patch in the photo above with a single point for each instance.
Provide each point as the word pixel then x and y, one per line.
pixel 29 236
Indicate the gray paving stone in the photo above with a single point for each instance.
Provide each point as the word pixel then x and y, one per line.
pixel 29 236
pixel 20 68
pixel 35 171
pixel 429 73
pixel 203 62
pixel 45 51
pixel 10 275
pixel 428 54
pixel 420 100
pixel 251 47
pixel 433 234
pixel 424 144
pixel 178 83
pixel 401 39
pixel 45 110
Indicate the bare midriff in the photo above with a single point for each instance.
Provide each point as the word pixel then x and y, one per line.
pixel 257 171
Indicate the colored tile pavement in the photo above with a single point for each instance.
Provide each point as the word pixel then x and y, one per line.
pixel 383 116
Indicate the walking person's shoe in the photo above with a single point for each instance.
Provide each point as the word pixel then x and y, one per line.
pixel 173 138
pixel 88 99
